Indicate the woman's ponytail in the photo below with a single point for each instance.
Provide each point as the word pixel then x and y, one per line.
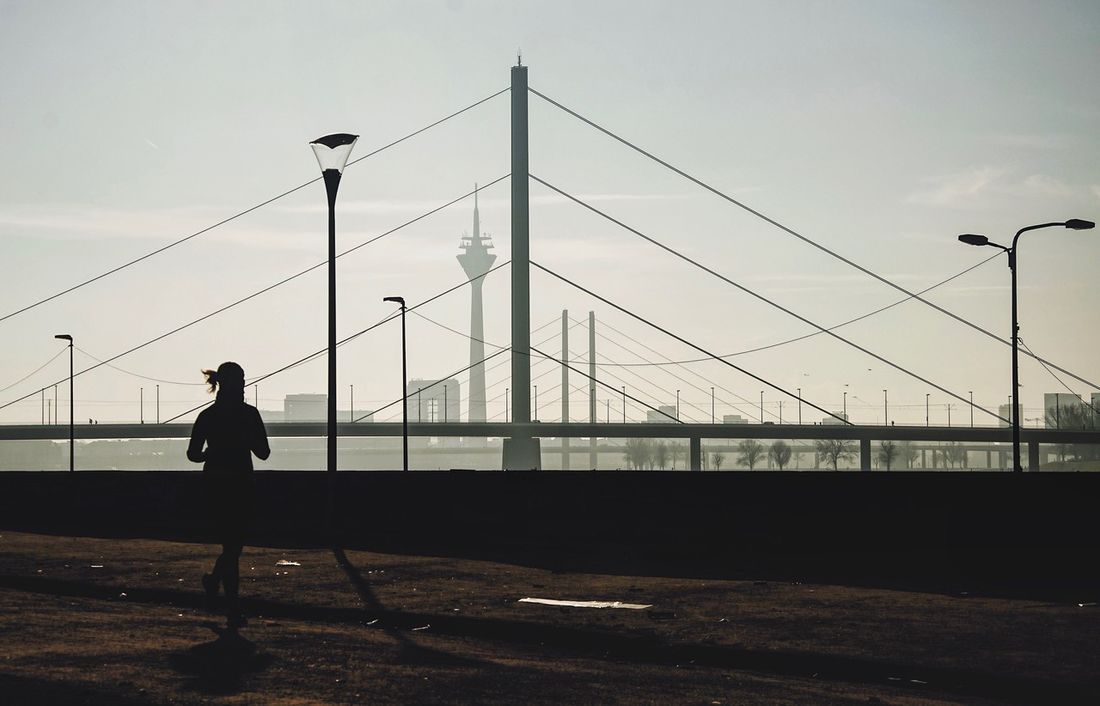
pixel 211 379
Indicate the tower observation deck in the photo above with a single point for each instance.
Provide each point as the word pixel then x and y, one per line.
pixel 476 260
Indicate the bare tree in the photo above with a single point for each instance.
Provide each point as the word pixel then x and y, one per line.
pixel 833 450
pixel 717 458
pixel 749 452
pixel 638 453
pixel 675 450
pixel 660 454
pixel 780 452
pixel 1077 416
pixel 954 454
pixel 887 452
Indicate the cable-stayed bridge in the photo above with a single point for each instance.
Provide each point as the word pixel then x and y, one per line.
pixel 519 424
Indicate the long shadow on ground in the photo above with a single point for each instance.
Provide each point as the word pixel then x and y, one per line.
pixel 623 645
pixel 221 665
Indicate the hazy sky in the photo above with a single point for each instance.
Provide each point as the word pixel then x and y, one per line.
pixel 881 130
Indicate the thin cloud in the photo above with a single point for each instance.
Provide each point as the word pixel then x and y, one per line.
pixel 973 188
pixel 1035 141
pixel 957 189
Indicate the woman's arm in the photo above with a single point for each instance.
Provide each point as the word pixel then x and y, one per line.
pixel 260 446
pixel 195 450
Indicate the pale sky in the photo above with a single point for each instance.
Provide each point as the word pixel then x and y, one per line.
pixel 881 130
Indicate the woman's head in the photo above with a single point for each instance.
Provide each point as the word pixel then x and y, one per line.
pixel 228 379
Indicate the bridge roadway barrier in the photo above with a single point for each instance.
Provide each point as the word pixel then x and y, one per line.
pixel 866 435
pixel 1037 528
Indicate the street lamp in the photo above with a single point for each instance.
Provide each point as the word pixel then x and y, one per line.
pixel 845 412
pixel 677 405
pixel 400 301
pixel 926 396
pixel 971 408
pixel 885 410
pixel 800 405
pixel 973 239
pixel 72 453
pixel 332 153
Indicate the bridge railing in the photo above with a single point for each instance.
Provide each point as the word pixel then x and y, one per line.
pixel 570 445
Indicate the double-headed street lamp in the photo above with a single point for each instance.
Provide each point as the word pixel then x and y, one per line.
pixel 400 301
pixel 973 239
pixel 72 452
pixel 332 153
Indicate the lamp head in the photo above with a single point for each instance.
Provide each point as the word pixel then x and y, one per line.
pixel 333 150
pixel 1078 224
pixel 64 337
pixel 973 239
pixel 397 300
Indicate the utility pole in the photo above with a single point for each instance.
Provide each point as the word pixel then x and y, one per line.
pixel 565 386
pixel 592 451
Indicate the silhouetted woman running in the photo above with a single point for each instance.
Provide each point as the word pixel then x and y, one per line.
pixel 231 432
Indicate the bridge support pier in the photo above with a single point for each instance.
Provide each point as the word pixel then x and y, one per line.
pixel 864 454
pixel 1033 455
pixel 695 454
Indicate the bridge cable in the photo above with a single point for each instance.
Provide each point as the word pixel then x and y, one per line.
pixel 665 331
pixel 428 387
pixel 798 235
pixel 350 338
pixel 777 344
pixel 31 373
pixel 1087 403
pixel 259 292
pixel 761 297
pixel 247 210
pixel 601 382
pixel 627 366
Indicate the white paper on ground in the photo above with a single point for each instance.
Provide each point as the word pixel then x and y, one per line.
pixel 586 604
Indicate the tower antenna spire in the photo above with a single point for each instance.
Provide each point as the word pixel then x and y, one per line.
pixel 519 57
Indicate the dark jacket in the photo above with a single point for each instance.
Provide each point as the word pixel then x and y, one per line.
pixel 231 432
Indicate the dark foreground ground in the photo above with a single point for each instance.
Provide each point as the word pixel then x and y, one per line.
pixel 91 620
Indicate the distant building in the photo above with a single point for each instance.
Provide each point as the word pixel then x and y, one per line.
pixel 734 419
pixel 310 408
pixel 434 400
pixel 1054 403
pixel 1005 412
pixel 663 414
pixel 305 408
pixel 833 420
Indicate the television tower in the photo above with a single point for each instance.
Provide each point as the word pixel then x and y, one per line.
pixel 476 260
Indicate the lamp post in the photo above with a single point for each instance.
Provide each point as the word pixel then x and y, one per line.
pixel 885 410
pixel 332 153
pixel 72 452
pixel 400 301
pixel 761 406
pixel 624 404
pixel 973 239
pixel 971 408
pixel 926 396
pixel 800 405
pixel 677 405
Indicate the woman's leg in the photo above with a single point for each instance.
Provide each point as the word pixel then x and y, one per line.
pixel 231 573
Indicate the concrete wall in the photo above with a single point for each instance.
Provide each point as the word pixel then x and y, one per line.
pixel 1040 526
